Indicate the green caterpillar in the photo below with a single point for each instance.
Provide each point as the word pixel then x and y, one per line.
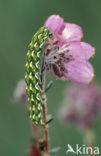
pixel 33 71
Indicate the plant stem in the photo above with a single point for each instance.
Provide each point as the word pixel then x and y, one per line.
pixel 46 129
pixel 90 139
pixel 36 132
pixel 44 106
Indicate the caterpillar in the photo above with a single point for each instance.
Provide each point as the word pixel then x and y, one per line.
pixel 33 72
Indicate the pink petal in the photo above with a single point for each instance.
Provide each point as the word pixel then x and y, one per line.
pixel 81 50
pixel 55 24
pixel 72 32
pixel 79 72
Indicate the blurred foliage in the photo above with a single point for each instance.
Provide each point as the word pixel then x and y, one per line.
pixel 19 20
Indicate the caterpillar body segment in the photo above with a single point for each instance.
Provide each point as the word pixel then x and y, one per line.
pixel 33 72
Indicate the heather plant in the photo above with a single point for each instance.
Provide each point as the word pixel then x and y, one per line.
pixel 82 107
pixel 55 47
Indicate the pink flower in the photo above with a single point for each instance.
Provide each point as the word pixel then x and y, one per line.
pixel 82 106
pixel 65 56
pixel 20 95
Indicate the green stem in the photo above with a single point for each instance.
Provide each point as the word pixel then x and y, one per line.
pixel 89 137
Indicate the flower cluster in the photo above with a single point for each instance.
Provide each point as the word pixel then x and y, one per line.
pixel 65 55
pixel 82 105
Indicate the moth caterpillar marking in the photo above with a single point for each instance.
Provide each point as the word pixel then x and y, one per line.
pixel 33 72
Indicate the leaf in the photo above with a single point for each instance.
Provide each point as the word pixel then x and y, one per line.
pixel 49 86
pixel 55 150
pixel 49 119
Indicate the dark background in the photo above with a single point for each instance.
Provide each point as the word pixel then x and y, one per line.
pixel 19 20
